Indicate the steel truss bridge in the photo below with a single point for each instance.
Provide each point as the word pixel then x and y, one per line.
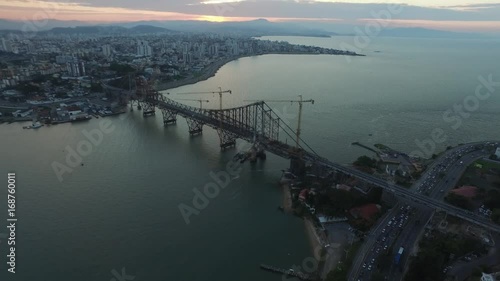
pixel 257 123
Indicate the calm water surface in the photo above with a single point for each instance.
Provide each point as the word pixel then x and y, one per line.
pixel 120 210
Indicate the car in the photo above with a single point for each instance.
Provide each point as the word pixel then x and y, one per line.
pixel 369 268
pixel 364 265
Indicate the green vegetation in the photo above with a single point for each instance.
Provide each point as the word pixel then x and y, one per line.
pixel 459 201
pixel 381 146
pixel 28 89
pixel 96 88
pixel 342 270
pixel 495 216
pixel 365 161
pixel 434 254
pixel 335 202
pixel 121 68
pixel 486 165
pixel 378 276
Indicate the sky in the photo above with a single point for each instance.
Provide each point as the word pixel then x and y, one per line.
pixel 454 15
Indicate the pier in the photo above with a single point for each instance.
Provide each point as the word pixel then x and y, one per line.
pixel 289 272
pixel 365 147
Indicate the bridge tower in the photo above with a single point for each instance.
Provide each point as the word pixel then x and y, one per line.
pixel 297 164
pixel 195 127
pixel 226 138
pixel 147 97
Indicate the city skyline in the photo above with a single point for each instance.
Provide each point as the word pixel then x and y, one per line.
pixel 453 15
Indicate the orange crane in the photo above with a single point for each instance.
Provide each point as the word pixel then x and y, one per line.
pixel 198 100
pixel 300 102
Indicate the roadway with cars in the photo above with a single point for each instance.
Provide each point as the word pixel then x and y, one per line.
pixel 452 163
pixel 421 199
pixel 454 166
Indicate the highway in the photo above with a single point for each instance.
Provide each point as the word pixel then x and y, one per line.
pixel 452 163
pixel 417 198
pixel 436 188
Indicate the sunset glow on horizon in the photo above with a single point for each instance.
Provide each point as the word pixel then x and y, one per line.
pixel 228 10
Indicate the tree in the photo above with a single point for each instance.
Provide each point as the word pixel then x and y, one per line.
pixel 96 87
pixel 121 68
pixel 495 216
pixel 458 201
pixel 377 276
pixel 365 161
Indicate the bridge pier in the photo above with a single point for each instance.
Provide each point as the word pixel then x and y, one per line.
pixel 195 127
pixel 169 116
pixel 227 139
pixel 149 110
pixel 297 166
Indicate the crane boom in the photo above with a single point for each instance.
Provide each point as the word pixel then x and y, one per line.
pixel 220 92
pixel 300 102
pixel 198 100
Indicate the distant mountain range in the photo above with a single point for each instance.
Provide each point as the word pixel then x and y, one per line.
pixel 260 27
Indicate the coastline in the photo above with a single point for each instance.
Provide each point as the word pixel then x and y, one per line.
pixel 212 69
pixel 287 199
pixel 314 239
pixel 313 236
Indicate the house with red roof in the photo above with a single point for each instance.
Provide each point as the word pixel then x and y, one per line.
pixel 366 212
pixel 466 191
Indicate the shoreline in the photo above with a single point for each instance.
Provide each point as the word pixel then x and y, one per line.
pixel 287 199
pixel 314 239
pixel 213 68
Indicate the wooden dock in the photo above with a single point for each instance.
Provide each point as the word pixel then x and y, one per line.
pixel 289 272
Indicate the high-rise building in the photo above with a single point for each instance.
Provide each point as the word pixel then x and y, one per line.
pixel 106 50
pixel 6 45
pixel 143 49
pixel 76 68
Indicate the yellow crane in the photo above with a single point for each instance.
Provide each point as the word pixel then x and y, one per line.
pixel 300 101
pixel 220 92
pixel 201 101
pixel 221 117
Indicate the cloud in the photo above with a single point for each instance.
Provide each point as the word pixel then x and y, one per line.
pixel 485 15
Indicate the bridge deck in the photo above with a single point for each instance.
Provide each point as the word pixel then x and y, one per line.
pixel 258 123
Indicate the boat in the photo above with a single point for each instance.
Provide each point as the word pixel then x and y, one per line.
pixel 35 125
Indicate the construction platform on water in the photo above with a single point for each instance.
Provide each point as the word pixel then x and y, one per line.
pixel 289 272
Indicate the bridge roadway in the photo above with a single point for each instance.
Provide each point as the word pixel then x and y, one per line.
pixel 247 131
pixel 418 198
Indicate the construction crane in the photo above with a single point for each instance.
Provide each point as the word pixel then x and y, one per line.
pixel 220 92
pixel 300 102
pixel 198 100
pixel 221 118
